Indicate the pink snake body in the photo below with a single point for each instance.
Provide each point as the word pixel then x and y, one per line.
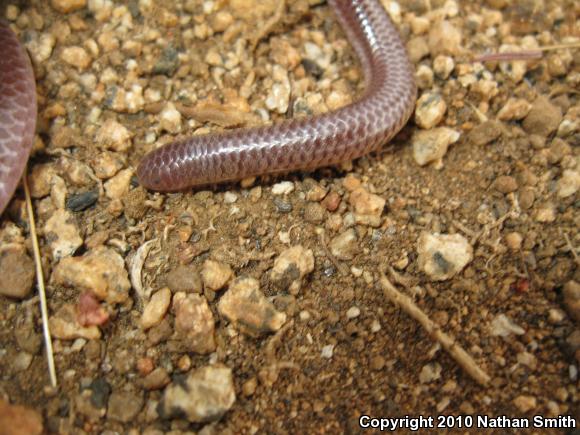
pixel 305 143
pixel 17 112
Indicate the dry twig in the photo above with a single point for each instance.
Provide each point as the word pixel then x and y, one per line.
pixel 448 343
pixel 40 283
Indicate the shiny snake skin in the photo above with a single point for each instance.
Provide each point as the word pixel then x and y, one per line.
pixel 17 112
pixel 304 143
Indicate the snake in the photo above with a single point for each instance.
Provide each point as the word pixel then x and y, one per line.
pixel 17 112
pixel 304 143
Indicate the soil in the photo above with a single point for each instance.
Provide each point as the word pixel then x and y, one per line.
pixel 155 71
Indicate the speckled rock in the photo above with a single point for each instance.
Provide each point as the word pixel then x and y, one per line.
pixel 101 271
pixel 206 394
pixel 368 207
pixel 431 145
pixel 215 275
pixel 62 234
pixel 246 307
pixel 194 323
pixel 441 256
pixel 543 118
pixel 76 56
pixel 430 109
pixel 290 268
pixel 19 420
pixel 17 272
pixel 156 308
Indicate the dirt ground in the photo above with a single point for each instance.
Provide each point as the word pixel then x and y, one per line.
pixel 482 237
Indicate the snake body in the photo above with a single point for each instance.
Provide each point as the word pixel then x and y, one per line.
pixel 305 143
pixel 17 112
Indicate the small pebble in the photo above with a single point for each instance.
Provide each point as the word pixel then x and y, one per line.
pixel 569 183
pixel 63 234
pixel 430 109
pixel 368 207
pixel 194 324
pixel 485 133
pixel 444 38
pixel 156 308
pixel 215 275
pixel 18 272
pixel 571 299
pixel 283 188
pixel 431 145
pixel 514 109
pixel 429 373
pixel 353 313
pixel 124 406
pixel 327 351
pixel 514 241
pixel 205 395
pixel 503 326
pixel 442 256
pixel 505 184
pixel 543 118
pixel 100 271
pixel 525 403
pixel 345 245
pixel 291 267
pixel 244 305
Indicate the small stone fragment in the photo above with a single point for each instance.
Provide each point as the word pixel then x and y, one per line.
pixel 17 272
pixel 572 299
pixel 113 136
pixel 430 110
pixel 546 213
pixel 569 183
pixel 431 145
pixel 543 118
pixel 156 380
pixel 19 420
pixel 118 186
pixel 514 109
pixel 485 133
pixel 170 119
pixel 156 308
pixel 514 241
pixel 101 271
pixel 206 394
pixel 443 66
pixel 194 324
pixel 184 278
pixel 215 275
pixel 246 307
pixel 76 56
pixel 444 38
pixel 344 246
pixel 368 207
pixel 290 268
pixel 441 256
pixel 503 326
pixel 525 403
pixel 283 188
pixel 62 234
pixel 64 325
pixel 430 372
pixel 124 406
pixel 505 184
